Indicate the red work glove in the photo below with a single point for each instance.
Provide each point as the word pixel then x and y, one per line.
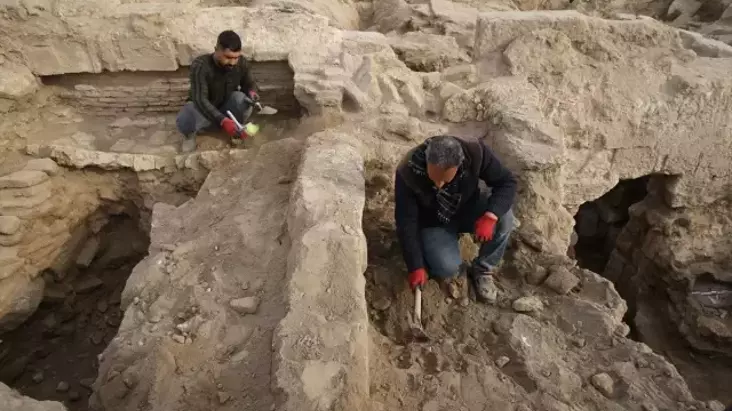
pixel 417 278
pixel 253 95
pixel 229 126
pixel 485 226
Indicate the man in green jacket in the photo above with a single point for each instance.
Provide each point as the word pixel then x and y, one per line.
pixel 220 82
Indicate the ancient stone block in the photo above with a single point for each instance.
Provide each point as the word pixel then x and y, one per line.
pixel 16 81
pixel 562 280
pixel 59 57
pixel 9 225
pixel 46 165
pixel 23 178
pixel 19 298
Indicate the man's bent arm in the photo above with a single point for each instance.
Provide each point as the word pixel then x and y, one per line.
pixel 199 93
pixel 247 80
pixel 406 214
pixel 501 181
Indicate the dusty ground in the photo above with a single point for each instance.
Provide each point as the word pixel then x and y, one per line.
pixel 492 357
pixel 53 356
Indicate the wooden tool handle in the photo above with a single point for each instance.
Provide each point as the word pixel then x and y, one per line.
pixel 418 305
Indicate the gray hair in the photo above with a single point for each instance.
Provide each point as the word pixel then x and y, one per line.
pixel 444 151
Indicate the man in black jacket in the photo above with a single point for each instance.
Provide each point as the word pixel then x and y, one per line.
pixel 220 81
pixel 438 197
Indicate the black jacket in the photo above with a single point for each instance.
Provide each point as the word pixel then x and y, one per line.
pixel 415 198
pixel 211 85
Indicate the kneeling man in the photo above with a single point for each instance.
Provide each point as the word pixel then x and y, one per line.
pixel 438 196
pixel 220 81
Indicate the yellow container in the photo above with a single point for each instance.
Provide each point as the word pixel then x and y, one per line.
pixel 251 128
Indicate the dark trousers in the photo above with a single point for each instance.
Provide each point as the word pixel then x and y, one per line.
pixel 440 244
pixel 190 121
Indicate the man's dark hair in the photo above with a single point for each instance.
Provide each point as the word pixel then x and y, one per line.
pixel 228 40
pixel 444 151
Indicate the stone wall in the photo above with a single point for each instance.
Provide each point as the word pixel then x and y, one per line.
pixel 161 37
pixel 166 92
pixel 325 291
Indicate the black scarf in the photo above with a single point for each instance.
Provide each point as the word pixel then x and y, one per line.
pixel 449 196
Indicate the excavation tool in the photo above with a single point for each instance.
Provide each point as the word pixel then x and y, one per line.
pixel 259 108
pixel 415 326
pixel 250 128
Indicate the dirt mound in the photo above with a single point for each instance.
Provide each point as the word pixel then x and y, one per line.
pixel 552 350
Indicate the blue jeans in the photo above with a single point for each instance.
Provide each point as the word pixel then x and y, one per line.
pixel 440 244
pixel 190 121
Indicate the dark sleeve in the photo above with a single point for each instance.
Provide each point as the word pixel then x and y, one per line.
pixel 247 81
pixel 199 93
pixel 501 181
pixel 406 214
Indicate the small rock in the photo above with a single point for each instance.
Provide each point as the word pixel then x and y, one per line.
pixel 527 304
pixel 715 405
pixel 647 406
pixel 9 225
pixel 38 377
pixel 382 304
pixel 245 285
pixel 189 341
pixel 604 383
pixel 74 396
pixel 562 281
pixel 87 284
pixel 537 276
pixel 578 341
pixel 102 306
pixel 179 338
pixel 502 361
pixel 97 337
pixel 223 397
pixel 88 252
pixel 465 302
pixel 62 386
pixel 246 305
pixel 240 356
pixel 87 383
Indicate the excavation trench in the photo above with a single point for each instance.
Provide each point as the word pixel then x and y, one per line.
pixel 135 112
pixel 612 235
pixel 53 354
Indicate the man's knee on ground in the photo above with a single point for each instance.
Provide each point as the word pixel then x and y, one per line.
pixel 444 266
pixel 186 120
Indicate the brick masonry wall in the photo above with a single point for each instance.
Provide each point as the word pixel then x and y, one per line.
pixel 163 92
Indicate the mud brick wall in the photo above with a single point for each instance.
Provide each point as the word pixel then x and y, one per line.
pixel 163 92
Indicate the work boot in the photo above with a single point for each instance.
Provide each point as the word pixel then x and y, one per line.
pixel 188 144
pixel 484 284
